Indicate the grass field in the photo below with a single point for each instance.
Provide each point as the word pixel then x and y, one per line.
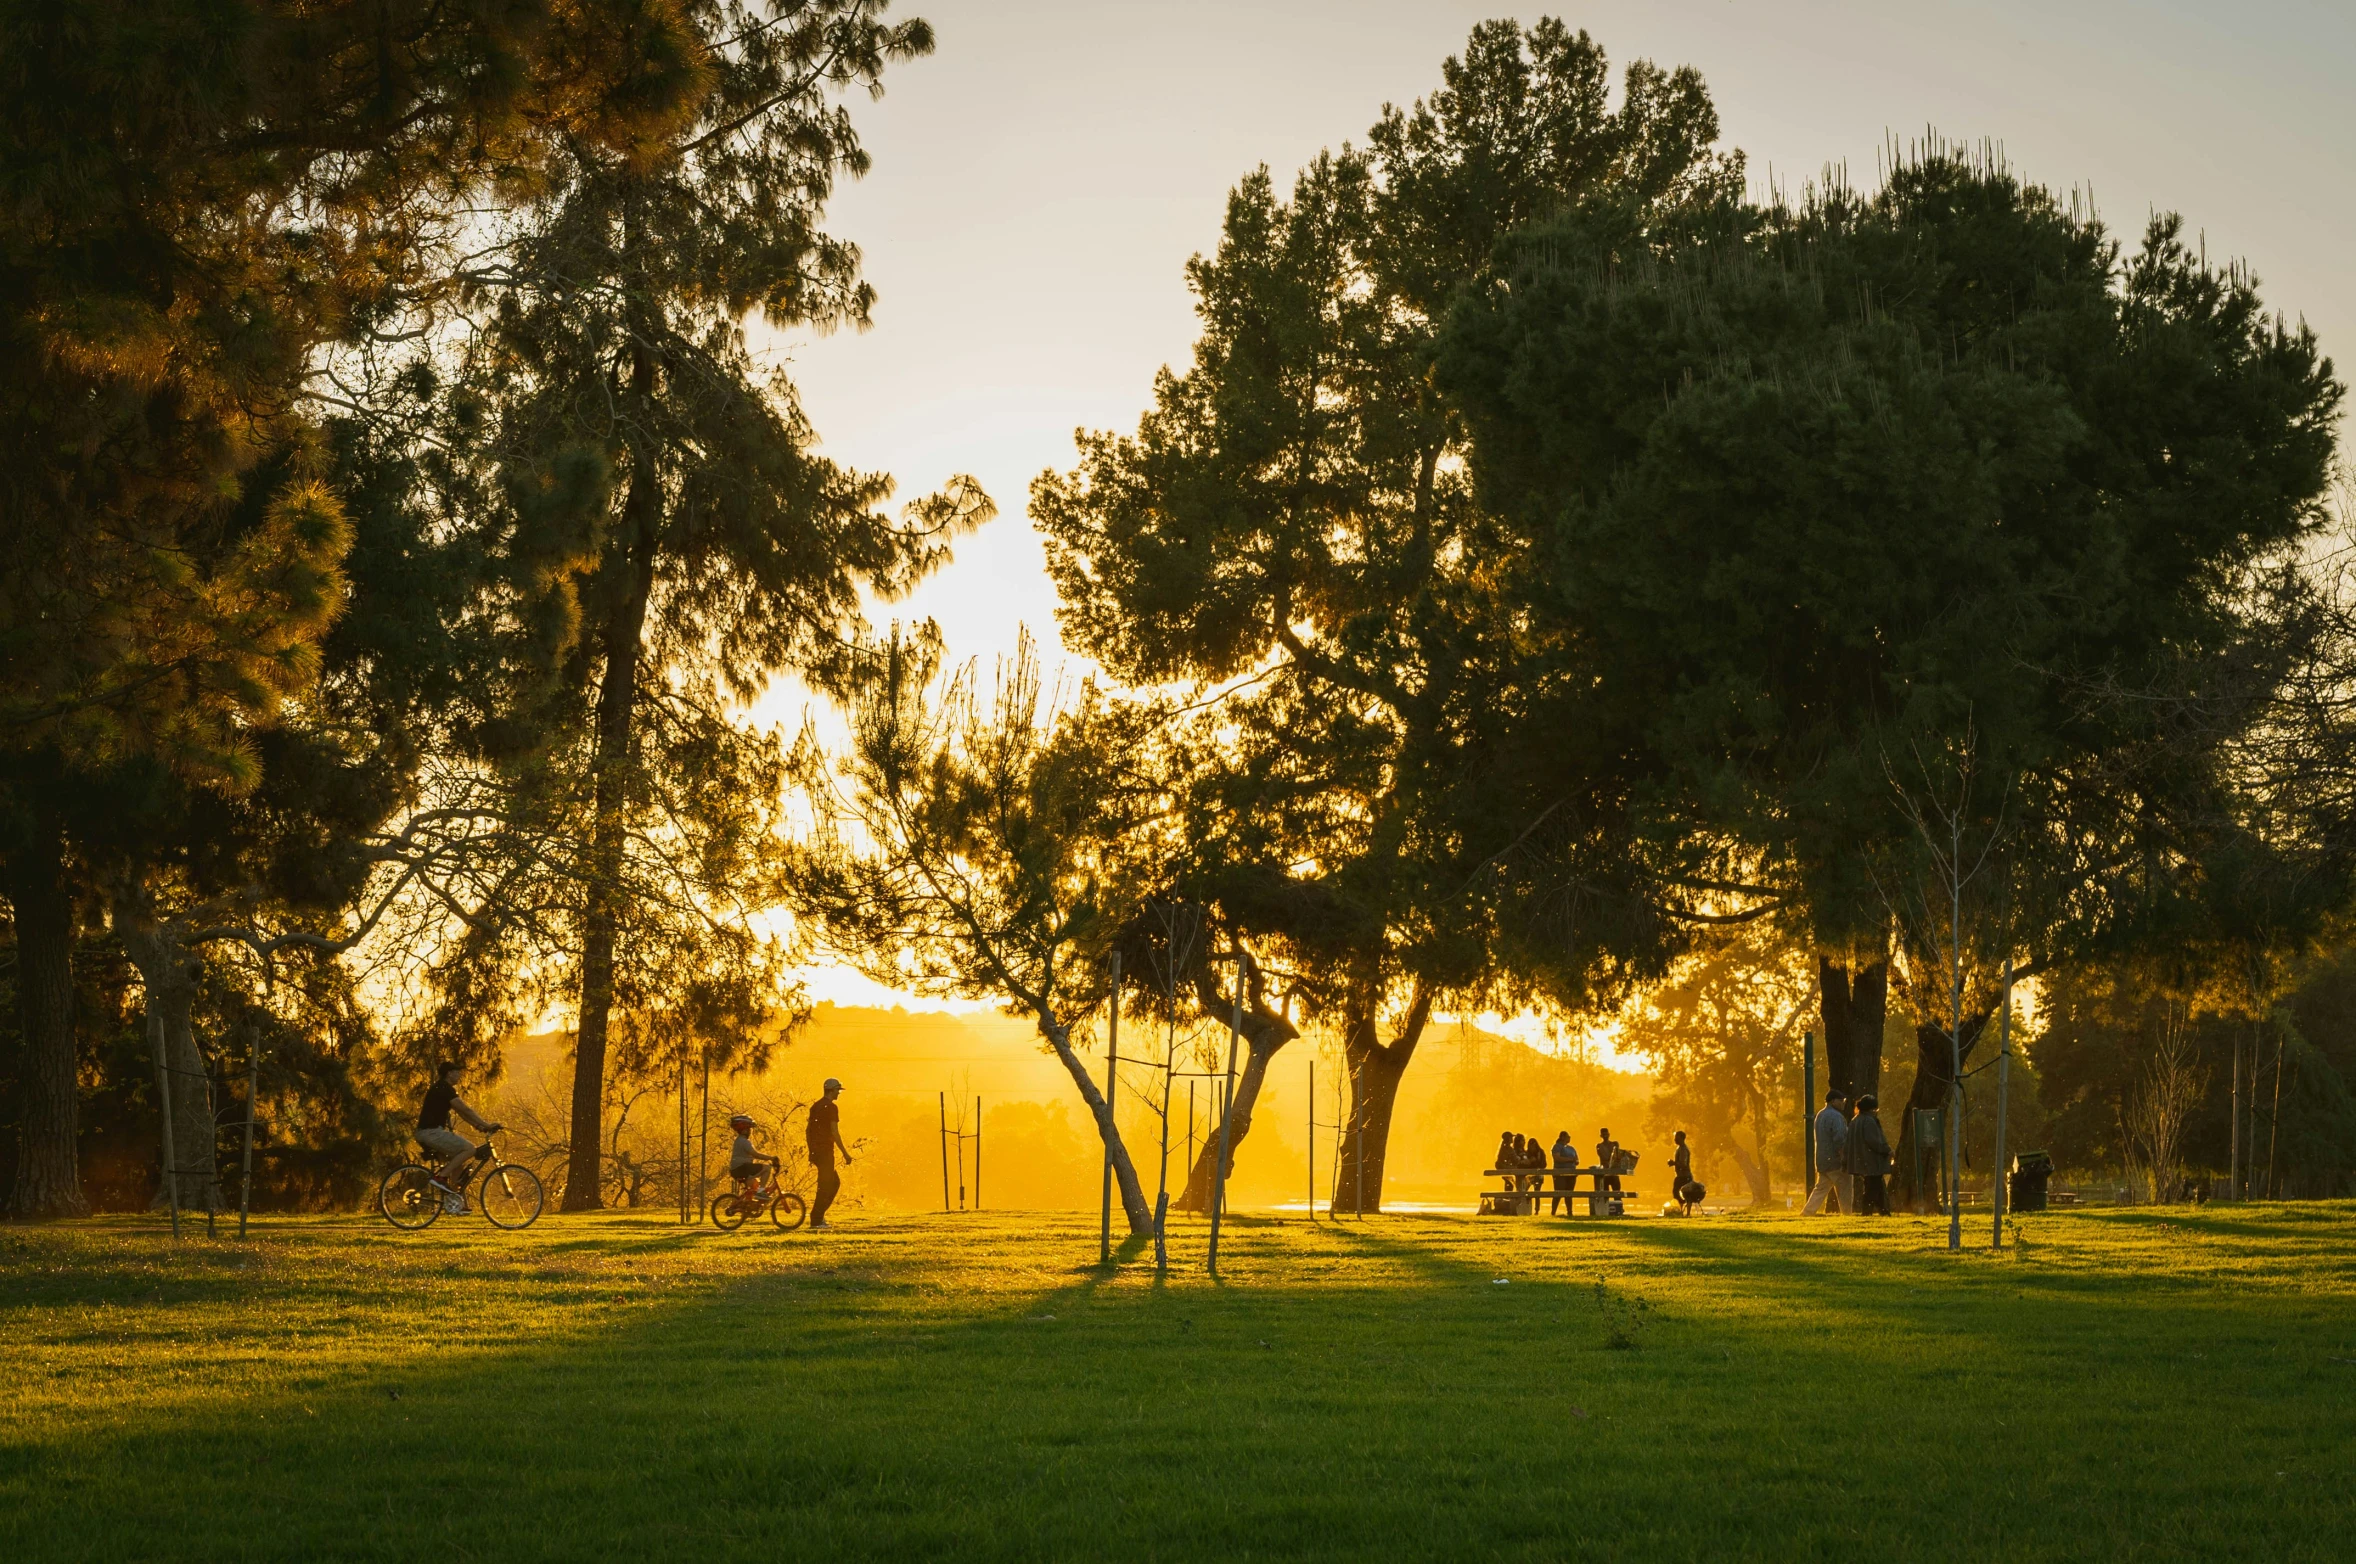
pixel 2123 1384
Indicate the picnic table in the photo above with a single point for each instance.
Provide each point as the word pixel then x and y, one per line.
pixel 1516 1200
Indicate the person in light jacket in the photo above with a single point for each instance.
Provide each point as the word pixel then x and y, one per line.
pixel 1835 1190
pixel 1869 1158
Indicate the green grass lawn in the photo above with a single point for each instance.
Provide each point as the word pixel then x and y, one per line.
pixel 2122 1384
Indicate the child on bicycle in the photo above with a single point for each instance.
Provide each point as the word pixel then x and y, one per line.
pixel 746 1165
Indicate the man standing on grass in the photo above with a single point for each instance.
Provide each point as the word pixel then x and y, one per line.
pixel 1834 1189
pixel 826 1138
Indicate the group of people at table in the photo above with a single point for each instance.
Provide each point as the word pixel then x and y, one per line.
pixel 1515 1151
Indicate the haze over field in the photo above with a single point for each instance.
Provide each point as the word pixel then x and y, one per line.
pixel 1041 1155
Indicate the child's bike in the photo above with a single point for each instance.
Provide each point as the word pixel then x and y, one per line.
pixel 731 1206
pixel 509 1194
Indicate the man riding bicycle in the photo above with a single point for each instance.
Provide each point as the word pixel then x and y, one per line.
pixel 436 1136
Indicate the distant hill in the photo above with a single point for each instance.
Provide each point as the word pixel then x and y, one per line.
pixel 901 1070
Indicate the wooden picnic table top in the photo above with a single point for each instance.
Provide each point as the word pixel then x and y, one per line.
pixel 1565 1172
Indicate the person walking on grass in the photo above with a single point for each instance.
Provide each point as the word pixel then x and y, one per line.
pixel 1681 1184
pixel 1834 1190
pixel 1869 1158
pixel 436 1136
pixel 826 1138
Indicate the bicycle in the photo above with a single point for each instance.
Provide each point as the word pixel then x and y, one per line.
pixel 509 1195
pixel 731 1206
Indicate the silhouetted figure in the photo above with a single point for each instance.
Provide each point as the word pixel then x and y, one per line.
pixel 1566 1173
pixel 1869 1158
pixel 826 1138
pixel 1689 1194
pixel 1607 1157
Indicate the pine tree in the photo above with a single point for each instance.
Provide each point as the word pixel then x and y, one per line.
pixel 1293 515
pixel 660 480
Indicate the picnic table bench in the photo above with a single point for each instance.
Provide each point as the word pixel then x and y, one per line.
pixel 1515 1200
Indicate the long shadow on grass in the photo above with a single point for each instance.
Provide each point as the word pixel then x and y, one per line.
pixel 774 1414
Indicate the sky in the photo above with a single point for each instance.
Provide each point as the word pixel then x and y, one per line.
pixel 1041 180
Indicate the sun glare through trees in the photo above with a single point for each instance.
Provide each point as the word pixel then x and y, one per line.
pixel 1642 858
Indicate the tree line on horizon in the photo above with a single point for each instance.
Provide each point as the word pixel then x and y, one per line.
pixel 1559 580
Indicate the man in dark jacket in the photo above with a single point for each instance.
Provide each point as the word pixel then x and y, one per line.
pixel 1869 1158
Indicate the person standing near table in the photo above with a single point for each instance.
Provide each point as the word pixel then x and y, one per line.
pixel 1566 1172
pixel 1835 1189
pixel 1869 1158
pixel 826 1138
pixel 1607 1158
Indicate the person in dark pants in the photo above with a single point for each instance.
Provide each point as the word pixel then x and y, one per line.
pixel 1869 1158
pixel 1681 1176
pixel 826 1138
pixel 1566 1173
pixel 1607 1157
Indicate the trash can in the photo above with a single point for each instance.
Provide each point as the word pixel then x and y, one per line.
pixel 2030 1171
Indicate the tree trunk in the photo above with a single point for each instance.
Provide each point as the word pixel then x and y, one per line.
pixel 1934 1060
pixel 617 704
pixel 1059 1038
pixel 1201 1179
pixel 1264 1032
pixel 48 1173
pixel 1853 1004
pixel 167 970
pixel 1375 1069
pixel 1755 1168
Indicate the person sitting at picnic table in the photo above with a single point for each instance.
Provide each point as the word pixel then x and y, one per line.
pixel 1534 1157
pixel 1607 1157
pixel 1566 1173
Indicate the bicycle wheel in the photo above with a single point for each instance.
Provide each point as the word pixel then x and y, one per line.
pixel 510 1196
pixel 407 1197
pixel 788 1211
pixel 727 1215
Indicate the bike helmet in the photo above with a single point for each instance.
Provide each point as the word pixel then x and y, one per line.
pixel 740 1121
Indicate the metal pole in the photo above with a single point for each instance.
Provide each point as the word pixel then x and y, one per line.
pixel 1808 1110
pixel 1190 1118
pixel 253 1083
pixel 703 1131
pixel 944 1140
pixel 1954 1124
pixel 2233 1143
pixel 1361 1178
pixel 1112 1081
pixel 2274 1118
pixel 1226 1117
pixel 1161 1199
pixel 1312 1140
pixel 163 1081
pixel 1996 1186
pixel 977 1153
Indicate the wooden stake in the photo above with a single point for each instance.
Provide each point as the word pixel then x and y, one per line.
pixel 1219 1190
